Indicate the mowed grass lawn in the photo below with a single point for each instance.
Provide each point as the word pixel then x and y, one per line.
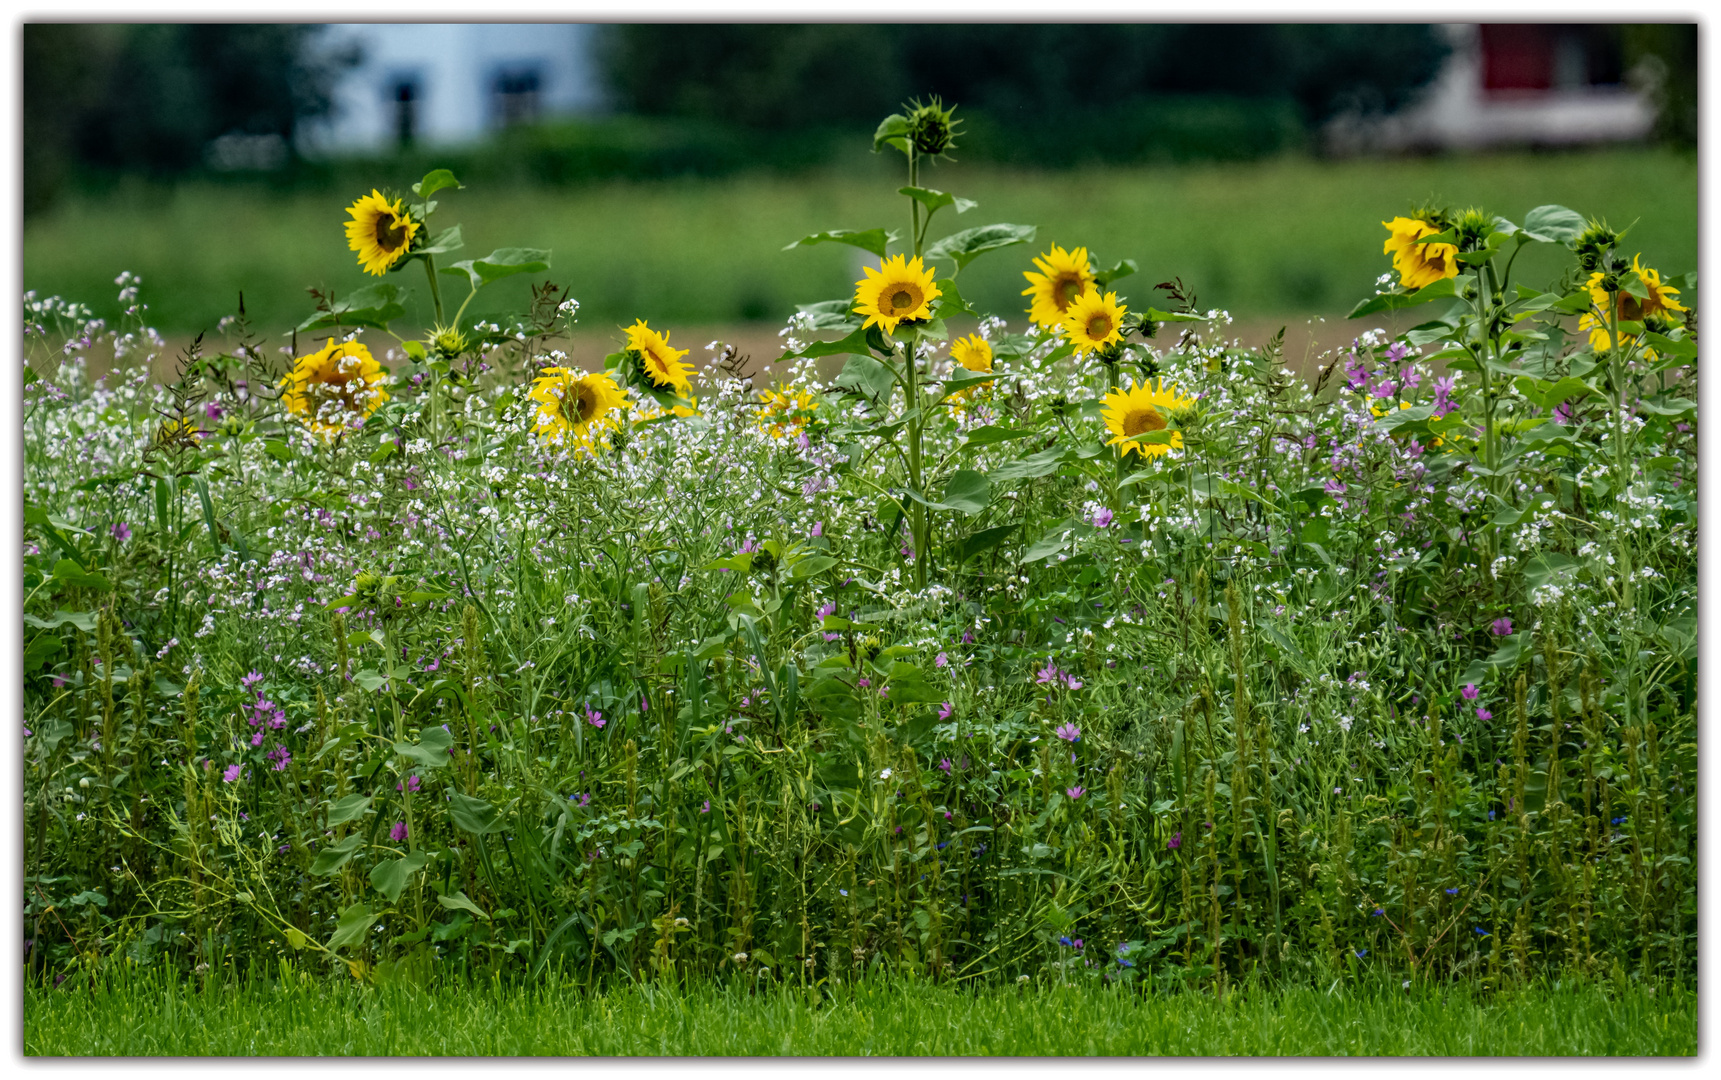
pixel 1272 239
pixel 294 1017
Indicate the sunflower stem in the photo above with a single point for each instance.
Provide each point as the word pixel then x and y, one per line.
pixel 435 290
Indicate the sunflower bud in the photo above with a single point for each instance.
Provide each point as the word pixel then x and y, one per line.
pixel 1473 227
pixel 1593 244
pixel 448 342
pixel 931 127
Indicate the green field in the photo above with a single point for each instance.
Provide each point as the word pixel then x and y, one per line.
pixel 298 1016
pixel 1265 240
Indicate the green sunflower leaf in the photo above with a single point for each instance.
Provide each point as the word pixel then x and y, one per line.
pixel 892 131
pixel 375 306
pixel 434 181
pixel 1552 224
pixel 873 240
pixel 964 247
pixel 830 315
pixel 502 263
pixel 935 200
pixel 1392 301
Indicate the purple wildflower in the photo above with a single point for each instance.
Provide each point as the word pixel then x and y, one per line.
pixel 231 773
pixel 945 765
pixel 397 833
pixel 1483 714
pixel 121 531
pixel 1103 518
pixel 594 718
pixel 1469 691
pixel 1502 627
pixel 945 712
pixel 1069 732
pixel 941 660
pixel 280 756
pixel 1176 840
pixel 1075 792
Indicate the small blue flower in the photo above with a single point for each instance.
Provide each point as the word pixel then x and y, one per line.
pixel 1451 892
pixel 1619 821
pixel 1064 940
pixel 1126 963
pixel 943 844
pixel 1360 953
pixel 1490 815
pixel 1378 911
pixel 1481 932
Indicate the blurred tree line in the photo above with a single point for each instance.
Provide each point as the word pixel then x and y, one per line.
pixel 145 98
pixel 1055 94
pixel 108 100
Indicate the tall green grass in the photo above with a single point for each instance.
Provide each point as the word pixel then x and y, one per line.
pixel 1265 239
pixel 297 1016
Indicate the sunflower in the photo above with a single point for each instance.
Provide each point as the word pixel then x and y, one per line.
pixel 1143 407
pixel 1418 264
pixel 1660 302
pixel 1094 321
pixel 662 364
pixel 575 408
pixel 900 290
pixel 380 231
pixel 972 352
pixel 335 388
pixel 1065 277
pixel 785 413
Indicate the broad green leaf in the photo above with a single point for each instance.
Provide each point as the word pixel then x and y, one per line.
pixel 1392 301
pixel 367 678
pixel 968 491
pixel 1123 269
pixel 390 877
pixel 950 301
pixel 348 809
pixel 447 240
pixel 830 315
pixel 1056 539
pixel 1553 224
pixel 969 244
pixel 459 902
pixel 296 937
pixel 873 240
pixel 335 856
pixel 374 306
pixel 1546 395
pixel 501 263
pixel 1044 463
pixel 855 343
pixel 891 131
pixel 350 928
pixel 808 567
pixel 867 377
pixel 431 749
pixel 73 576
pixel 83 620
pixel 933 200
pixel 472 814
pixel 984 540
pixel 434 181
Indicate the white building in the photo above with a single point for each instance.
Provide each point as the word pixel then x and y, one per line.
pixel 450 83
pixel 1513 84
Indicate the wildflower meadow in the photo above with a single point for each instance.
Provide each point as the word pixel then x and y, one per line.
pixel 1075 649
